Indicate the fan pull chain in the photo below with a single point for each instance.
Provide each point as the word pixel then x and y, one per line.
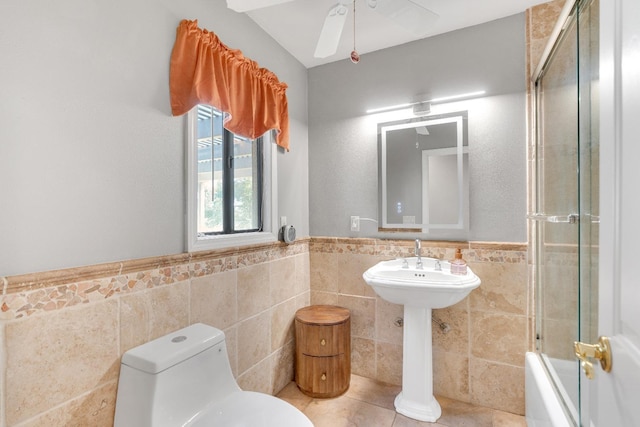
pixel 355 58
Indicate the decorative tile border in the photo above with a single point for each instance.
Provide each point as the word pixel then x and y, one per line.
pixel 472 251
pixel 28 294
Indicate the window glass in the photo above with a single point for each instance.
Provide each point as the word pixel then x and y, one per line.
pixel 209 143
pixel 229 177
pixel 247 178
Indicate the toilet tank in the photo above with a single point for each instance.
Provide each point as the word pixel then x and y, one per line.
pixel 169 380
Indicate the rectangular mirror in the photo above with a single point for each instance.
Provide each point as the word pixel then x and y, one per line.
pixel 423 173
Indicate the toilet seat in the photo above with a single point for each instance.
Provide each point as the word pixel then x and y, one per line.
pixel 250 409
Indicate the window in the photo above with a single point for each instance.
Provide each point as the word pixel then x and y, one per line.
pixel 229 178
pixel 230 183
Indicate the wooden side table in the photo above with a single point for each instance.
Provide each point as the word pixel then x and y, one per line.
pixel 323 350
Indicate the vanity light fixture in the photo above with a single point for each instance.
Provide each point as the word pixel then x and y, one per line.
pixel 417 104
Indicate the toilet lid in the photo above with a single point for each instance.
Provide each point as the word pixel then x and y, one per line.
pixel 250 409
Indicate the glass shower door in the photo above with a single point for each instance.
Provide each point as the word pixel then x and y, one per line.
pixel 566 201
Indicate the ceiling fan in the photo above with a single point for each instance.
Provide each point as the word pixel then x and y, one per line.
pixel 412 15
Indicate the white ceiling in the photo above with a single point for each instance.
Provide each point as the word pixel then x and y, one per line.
pixel 296 24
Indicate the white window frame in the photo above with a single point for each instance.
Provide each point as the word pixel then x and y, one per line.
pixel 269 199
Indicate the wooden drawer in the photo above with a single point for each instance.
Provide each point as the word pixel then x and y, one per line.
pixel 323 350
pixel 323 376
pixel 314 340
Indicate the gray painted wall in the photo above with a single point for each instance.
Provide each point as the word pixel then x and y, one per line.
pixel 91 160
pixel 342 137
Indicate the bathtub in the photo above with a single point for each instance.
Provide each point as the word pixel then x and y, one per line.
pixel 544 407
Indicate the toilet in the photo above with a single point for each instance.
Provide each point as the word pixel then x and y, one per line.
pixel 185 379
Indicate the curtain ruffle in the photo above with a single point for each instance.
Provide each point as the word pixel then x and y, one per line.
pixel 204 70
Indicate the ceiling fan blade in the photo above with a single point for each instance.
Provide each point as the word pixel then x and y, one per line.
pixel 249 5
pixel 331 31
pixel 409 14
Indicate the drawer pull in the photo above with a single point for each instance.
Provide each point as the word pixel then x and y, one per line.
pixel 323 377
pixel 323 342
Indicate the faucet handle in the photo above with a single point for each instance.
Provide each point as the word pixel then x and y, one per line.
pixel 438 265
pixel 405 263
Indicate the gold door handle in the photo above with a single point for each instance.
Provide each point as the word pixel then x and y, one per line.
pixel 323 377
pixel 323 342
pixel 600 351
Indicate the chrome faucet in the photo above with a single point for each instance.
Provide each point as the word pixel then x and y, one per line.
pixel 417 252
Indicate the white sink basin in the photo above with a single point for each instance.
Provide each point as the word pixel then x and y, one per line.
pixel 424 287
pixel 420 291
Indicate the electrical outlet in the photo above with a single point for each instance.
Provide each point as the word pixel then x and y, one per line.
pixel 355 223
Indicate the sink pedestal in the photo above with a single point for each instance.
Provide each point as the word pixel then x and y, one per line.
pixel 420 290
pixel 416 399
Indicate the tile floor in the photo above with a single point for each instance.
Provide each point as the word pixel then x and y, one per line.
pixel 369 403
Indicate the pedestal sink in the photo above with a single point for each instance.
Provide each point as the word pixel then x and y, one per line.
pixel 419 290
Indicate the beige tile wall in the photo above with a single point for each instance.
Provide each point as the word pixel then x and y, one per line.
pixel 63 332
pixel 479 360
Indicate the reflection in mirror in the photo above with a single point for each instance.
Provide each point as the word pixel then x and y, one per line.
pixel 423 170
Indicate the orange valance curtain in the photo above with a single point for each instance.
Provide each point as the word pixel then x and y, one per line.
pixel 205 71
